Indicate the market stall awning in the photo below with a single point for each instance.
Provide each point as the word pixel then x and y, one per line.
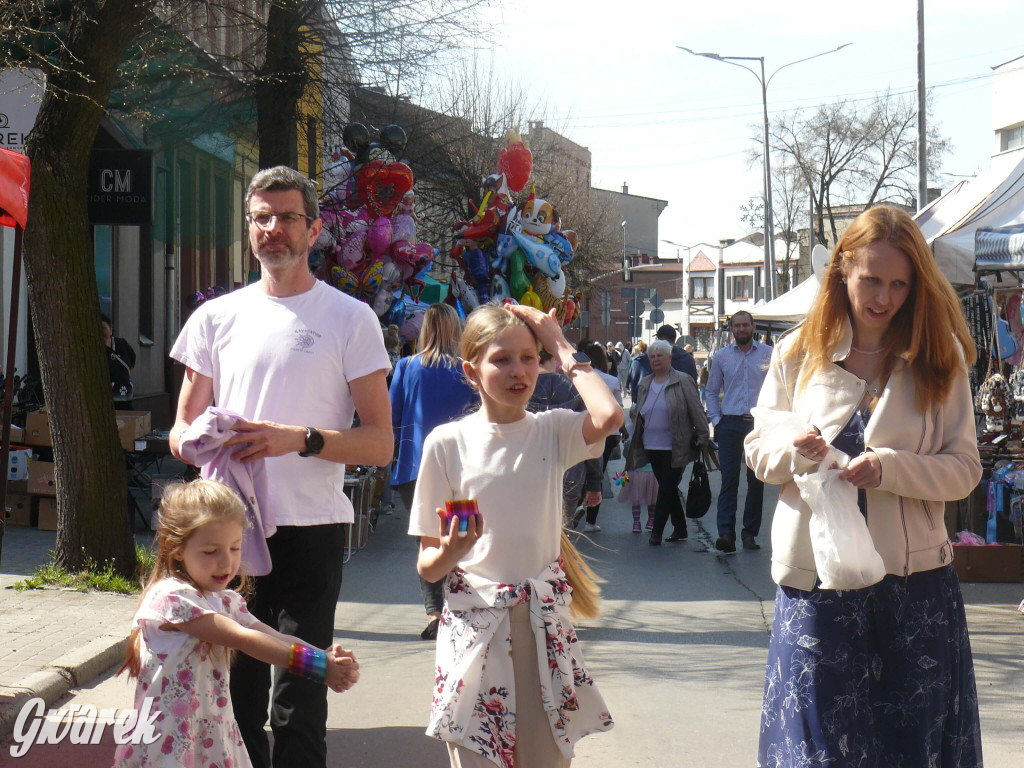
pixel 991 202
pixel 790 307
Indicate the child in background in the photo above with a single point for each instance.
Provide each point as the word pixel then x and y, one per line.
pixel 187 625
pixel 512 577
pixel 640 490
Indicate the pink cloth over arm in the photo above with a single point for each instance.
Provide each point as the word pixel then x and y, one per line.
pixel 202 445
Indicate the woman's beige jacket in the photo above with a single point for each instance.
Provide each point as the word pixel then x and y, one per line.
pixel 927 459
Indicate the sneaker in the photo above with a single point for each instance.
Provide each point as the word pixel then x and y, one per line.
pixel 749 542
pixel 591 528
pixel 650 523
pixel 577 516
pixel 725 545
pixel 636 529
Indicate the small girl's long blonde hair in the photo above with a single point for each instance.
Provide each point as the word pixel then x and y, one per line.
pixel 185 508
pixel 483 325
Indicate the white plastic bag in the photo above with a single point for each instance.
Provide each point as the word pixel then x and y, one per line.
pixel 844 554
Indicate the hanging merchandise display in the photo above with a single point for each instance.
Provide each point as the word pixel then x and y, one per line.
pixel 987 546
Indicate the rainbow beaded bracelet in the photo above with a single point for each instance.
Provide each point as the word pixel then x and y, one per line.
pixel 308 662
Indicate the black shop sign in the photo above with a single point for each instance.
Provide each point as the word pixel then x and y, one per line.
pixel 120 186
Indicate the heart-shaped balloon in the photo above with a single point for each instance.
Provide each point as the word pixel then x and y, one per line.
pixel 383 186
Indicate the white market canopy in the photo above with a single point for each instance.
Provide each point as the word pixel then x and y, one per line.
pixel 790 307
pixel 992 203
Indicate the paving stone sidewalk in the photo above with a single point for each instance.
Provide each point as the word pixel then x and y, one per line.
pixel 51 639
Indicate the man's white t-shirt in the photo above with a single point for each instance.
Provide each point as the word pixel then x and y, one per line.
pixel 288 360
pixel 514 471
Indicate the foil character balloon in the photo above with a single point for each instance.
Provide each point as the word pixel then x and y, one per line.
pixel 539 254
pixel 357 138
pixel 557 284
pixel 410 329
pixel 531 299
pixel 499 289
pixel 379 237
pixel 363 287
pixel 537 217
pixel 460 290
pixel 518 282
pixel 476 263
pixel 404 219
pixel 393 139
pixel 542 287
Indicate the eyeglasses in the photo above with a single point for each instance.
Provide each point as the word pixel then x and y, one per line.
pixel 265 220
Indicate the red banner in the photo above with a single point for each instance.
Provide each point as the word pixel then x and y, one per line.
pixel 15 171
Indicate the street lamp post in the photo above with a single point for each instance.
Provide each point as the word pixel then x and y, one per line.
pixel 625 262
pixel 771 278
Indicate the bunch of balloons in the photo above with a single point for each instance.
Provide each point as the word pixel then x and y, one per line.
pixel 510 252
pixel 368 245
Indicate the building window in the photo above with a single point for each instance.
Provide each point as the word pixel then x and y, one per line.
pixel 1011 138
pixel 702 288
pixel 739 287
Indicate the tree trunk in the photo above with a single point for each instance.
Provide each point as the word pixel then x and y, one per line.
pixel 280 85
pixel 63 294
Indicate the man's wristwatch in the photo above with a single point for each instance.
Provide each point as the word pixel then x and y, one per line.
pixel 314 443
pixel 579 359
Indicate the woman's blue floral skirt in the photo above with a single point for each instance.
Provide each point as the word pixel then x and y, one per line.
pixel 880 677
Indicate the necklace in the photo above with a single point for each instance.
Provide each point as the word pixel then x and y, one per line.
pixel 866 352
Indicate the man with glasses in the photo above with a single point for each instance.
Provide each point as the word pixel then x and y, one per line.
pixel 296 358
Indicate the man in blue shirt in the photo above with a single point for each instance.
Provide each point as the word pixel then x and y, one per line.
pixel 737 373
pixel 640 366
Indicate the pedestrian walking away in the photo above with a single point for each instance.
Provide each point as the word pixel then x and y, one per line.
pixel 428 389
pixel 878 673
pixel 255 352
pixel 512 577
pixel 734 382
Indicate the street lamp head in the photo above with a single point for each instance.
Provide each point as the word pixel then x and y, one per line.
pixel 623 225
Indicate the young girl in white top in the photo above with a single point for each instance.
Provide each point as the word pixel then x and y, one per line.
pixel 187 625
pixel 512 576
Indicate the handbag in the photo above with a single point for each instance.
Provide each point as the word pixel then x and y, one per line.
pixel 698 500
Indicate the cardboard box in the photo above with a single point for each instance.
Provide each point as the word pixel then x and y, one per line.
pixel 18 509
pixel 17 463
pixel 993 563
pixel 17 434
pixel 37 428
pixel 47 514
pixel 132 425
pixel 41 480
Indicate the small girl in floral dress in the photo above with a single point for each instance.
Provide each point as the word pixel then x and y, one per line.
pixel 187 625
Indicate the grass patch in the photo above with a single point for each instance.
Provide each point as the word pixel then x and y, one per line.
pixel 91 576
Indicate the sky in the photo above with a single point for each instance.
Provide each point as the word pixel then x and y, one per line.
pixel 681 128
